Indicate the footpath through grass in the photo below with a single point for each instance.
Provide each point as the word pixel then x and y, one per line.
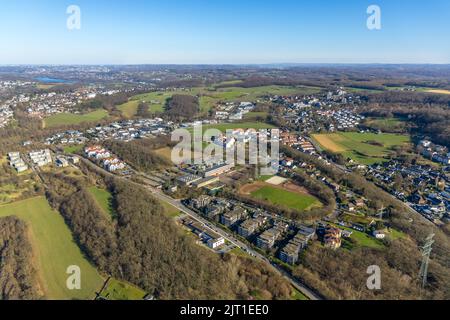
pixel 55 250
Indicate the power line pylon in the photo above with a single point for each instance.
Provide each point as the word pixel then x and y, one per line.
pixel 426 251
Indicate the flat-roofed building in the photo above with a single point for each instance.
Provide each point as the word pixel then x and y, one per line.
pixel 206 182
pixel 229 218
pixel 188 179
pixel 266 240
pixel 215 243
pixel 218 170
pixel 290 252
pixel 307 232
pixel 201 202
pixel 250 226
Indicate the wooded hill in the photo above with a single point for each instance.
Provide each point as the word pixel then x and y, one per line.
pixel 17 274
pixel 146 248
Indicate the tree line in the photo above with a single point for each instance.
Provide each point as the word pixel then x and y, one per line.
pixel 17 273
pixel 140 153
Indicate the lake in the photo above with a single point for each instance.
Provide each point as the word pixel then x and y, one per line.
pixel 51 80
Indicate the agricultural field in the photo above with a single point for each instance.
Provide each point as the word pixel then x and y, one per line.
pixel 228 83
pixel 103 199
pixel 63 119
pixel 257 92
pixel 287 195
pixel 55 250
pixel 120 290
pixel 437 91
pixel 364 148
pixel 360 90
pixel 46 86
pixel 422 89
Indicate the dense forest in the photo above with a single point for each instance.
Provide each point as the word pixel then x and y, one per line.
pixel 139 153
pixel 143 246
pixel 181 107
pixel 143 110
pixel 17 274
pixel 342 274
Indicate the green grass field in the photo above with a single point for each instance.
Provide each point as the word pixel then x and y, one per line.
pixel 395 125
pixel 210 97
pixel 255 115
pixel 129 109
pixel 285 198
pixel 62 119
pixel 170 210
pixel 297 295
pixel 119 290
pixel 385 121
pixel 73 148
pixel 55 250
pixel 103 199
pixel 362 239
pixel 155 100
pixel 358 146
pixel 228 82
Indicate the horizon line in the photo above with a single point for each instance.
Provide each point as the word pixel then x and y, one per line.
pixel 233 64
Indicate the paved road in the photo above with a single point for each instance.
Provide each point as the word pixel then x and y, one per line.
pixel 208 225
pixel 299 286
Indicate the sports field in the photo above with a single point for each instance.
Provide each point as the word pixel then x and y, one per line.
pixel 62 119
pixel 287 195
pixel 285 198
pixel 55 250
pixel 364 148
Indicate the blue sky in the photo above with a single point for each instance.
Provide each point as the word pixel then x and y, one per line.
pixel 224 31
